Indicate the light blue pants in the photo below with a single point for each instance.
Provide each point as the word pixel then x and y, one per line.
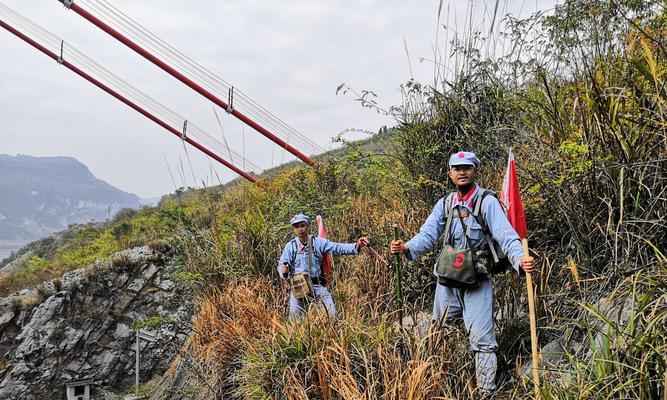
pixel 298 308
pixel 476 306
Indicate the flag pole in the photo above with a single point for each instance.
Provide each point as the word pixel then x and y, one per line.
pixel 533 323
pixel 511 197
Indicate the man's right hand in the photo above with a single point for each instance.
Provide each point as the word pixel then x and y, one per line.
pixel 398 247
pixel 284 270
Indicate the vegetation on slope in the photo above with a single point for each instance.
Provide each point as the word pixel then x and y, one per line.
pixel 585 117
pixel 587 122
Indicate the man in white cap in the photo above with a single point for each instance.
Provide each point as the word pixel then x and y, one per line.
pixel 471 218
pixel 298 258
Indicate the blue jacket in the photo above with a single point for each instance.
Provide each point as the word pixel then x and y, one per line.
pixel 295 250
pixel 494 216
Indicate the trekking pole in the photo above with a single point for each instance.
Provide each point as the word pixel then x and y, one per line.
pixel 286 289
pixel 533 323
pixel 399 290
pixel 378 255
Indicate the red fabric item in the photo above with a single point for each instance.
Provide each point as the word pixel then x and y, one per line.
pixel 511 198
pixel 326 263
pixel 467 199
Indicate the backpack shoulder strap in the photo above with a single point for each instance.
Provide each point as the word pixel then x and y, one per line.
pixel 478 214
pixel 448 214
pixel 320 257
pixel 310 255
pixel 314 239
pixel 295 250
pixel 477 206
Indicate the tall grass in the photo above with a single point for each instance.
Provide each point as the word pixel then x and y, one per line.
pixel 245 334
pixel 625 356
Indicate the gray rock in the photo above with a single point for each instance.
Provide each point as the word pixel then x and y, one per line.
pixel 420 325
pixel 35 334
pixel 551 356
pixel 137 255
pixel 15 391
pixel 107 360
pixel 618 313
pixel 74 365
pixel 72 278
pixel 6 317
pixel 72 338
pixel 121 280
pixel 167 285
pixel 106 395
pixel 85 333
pixel 137 285
pixel 122 331
pixel 554 365
pixel 150 272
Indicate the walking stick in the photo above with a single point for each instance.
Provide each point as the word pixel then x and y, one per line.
pixel 286 288
pixel 533 323
pixel 399 290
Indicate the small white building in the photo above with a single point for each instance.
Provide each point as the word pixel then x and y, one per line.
pixel 79 390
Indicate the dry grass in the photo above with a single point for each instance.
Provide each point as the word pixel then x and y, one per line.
pixel 226 324
pixel 244 348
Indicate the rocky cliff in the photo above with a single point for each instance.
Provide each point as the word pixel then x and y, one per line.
pixel 83 326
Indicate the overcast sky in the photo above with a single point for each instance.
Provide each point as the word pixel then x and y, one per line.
pixel 289 56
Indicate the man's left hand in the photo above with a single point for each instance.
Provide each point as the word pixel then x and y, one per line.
pixel 527 263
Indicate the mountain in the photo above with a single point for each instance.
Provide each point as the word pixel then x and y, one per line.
pixel 41 195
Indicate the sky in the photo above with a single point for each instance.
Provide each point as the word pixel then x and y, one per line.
pixel 289 56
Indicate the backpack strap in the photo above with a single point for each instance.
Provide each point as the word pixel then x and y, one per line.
pixel 295 249
pixel 448 214
pixel 479 217
pixel 310 255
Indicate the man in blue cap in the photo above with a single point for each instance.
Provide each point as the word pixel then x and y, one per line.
pixel 471 219
pixel 305 254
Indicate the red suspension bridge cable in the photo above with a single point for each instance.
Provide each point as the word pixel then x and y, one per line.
pixel 184 79
pixel 140 35
pixel 52 40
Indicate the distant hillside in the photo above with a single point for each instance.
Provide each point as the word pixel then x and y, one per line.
pixel 41 195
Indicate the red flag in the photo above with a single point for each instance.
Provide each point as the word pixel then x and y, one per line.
pixel 326 263
pixel 511 198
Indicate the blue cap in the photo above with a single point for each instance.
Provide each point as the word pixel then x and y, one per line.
pixel 299 218
pixel 463 158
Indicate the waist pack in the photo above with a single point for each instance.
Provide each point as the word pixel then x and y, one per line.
pixel 301 282
pixel 302 286
pixel 456 268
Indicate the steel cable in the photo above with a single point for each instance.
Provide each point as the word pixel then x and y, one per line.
pixel 253 110
pixel 141 35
